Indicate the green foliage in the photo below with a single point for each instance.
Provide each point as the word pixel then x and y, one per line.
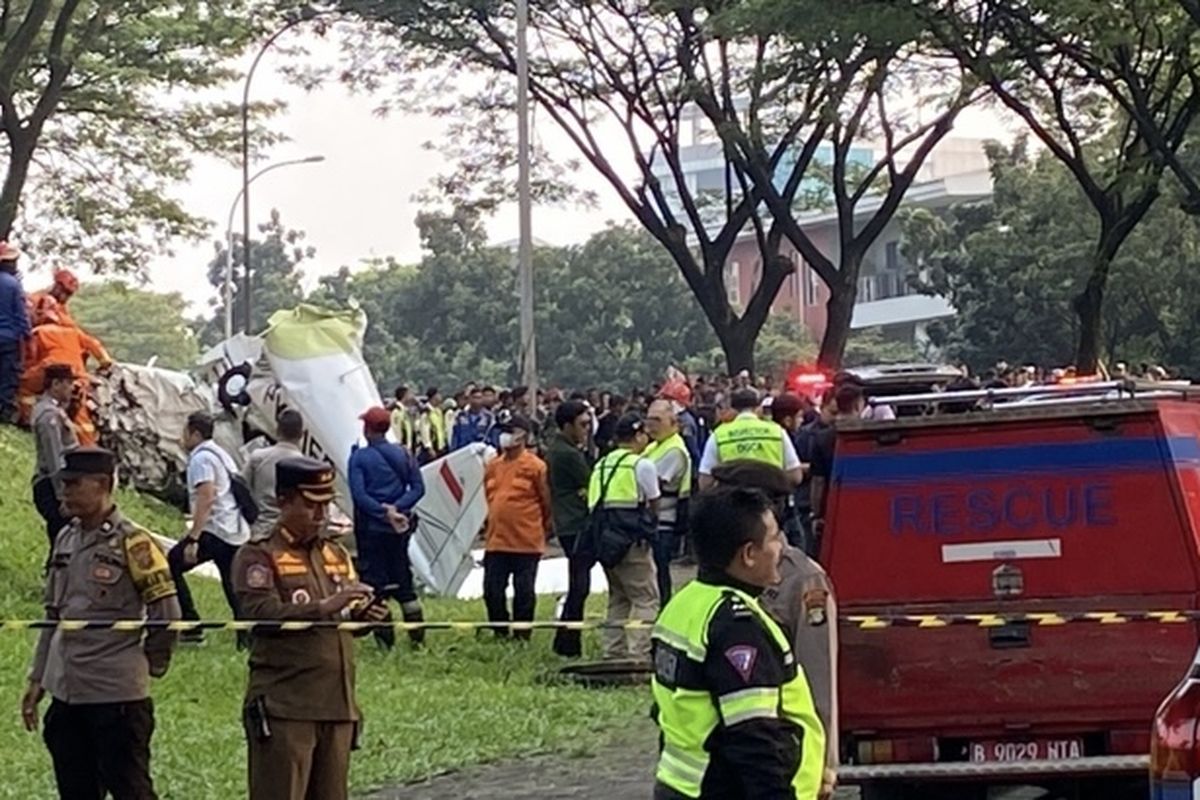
pixel 426 712
pixel 133 93
pixel 871 346
pixel 1012 268
pixel 613 310
pixel 274 261
pixel 137 325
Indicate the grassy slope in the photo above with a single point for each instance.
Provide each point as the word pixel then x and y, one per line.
pixel 462 701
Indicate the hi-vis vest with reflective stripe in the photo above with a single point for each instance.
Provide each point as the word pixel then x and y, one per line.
pixel 617 470
pixel 659 451
pixel 688 715
pixel 748 438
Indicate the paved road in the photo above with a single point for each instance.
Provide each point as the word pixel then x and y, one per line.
pixel 620 770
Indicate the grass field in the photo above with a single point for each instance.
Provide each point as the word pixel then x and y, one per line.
pixel 461 701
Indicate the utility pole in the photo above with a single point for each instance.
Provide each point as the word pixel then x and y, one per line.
pixel 528 355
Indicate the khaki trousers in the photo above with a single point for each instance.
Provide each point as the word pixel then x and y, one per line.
pixel 632 594
pixel 301 760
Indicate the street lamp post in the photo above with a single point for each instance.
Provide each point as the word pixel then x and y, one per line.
pixel 306 14
pixel 228 288
pixel 528 355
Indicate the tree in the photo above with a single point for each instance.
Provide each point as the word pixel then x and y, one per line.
pixel 276 259
pixel 841 73
pixel 1040 59
pixel 612 310
pixel 1012 266
pixel 137 325
pixel 103 106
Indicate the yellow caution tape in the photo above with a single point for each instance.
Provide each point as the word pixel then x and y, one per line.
pixel 866 622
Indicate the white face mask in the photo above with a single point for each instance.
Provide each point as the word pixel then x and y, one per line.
pixel 510 440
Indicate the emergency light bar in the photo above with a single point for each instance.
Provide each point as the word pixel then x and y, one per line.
pixel 1058 392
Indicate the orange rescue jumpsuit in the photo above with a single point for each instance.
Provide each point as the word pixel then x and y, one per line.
pixel 62 344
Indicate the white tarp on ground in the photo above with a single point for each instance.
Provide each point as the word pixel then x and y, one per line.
pixel 552 578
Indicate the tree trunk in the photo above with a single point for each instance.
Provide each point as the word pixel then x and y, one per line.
pixel 21 155
pixel 1089 305
pixel 738 347
pixel 839 311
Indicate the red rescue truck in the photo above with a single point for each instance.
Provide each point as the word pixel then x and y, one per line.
pixel 1046 501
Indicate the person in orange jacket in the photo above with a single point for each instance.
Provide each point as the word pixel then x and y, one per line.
pixel 55 298
pixel 53 342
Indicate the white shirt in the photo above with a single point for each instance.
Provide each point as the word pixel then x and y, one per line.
pixel 791 459
pixel 647 480
pixel 208 463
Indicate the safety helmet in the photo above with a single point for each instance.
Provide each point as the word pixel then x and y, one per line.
pixel 66 280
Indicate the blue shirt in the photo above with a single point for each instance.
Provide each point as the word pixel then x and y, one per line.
pixel 382 473
pixel 472 427
pixel 14 318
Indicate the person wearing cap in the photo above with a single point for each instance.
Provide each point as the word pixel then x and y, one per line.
pixel 518 524
pixel 749 437
pixel 803 603
pixel 102 567
pixel 15 330
pixel 623 496
pixel 673 463
pixel 259 469
pixel 300 715
pixel 734 709
pixel 53 435
pixel 787 411
pixel 386 485
pixel 217 528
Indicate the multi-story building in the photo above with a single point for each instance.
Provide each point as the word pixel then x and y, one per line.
pixel 956 172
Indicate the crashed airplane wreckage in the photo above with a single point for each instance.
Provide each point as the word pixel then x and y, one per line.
pixel 309 359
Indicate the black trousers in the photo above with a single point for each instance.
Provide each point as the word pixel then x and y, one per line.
pixel 664 546
pixel 45 499
pixel 579 585
pixel 10 379
pixel 211 549
pixel 522 568
pixel 101 748
pixel 384 565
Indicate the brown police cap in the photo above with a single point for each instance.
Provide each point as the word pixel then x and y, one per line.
pixel 313 479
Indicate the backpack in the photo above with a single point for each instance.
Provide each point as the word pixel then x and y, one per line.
pixel 247 506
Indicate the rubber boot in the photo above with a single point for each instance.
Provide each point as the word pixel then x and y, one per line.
pixel 385 637
pixel 413 613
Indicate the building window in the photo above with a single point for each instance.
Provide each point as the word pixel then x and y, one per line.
pixel 710 180
pixel 810 284
pixel 891 256
pixel 733 282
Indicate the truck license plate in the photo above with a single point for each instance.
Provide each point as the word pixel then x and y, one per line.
pixel 1038 750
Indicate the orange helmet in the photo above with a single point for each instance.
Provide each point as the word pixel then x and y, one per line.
pixel 66 280
pixel 676 390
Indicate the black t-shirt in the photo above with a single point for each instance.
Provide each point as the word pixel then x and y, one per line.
pixel 821 457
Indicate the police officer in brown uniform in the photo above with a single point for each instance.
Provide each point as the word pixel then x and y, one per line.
pixel 300 714
pixel 102 567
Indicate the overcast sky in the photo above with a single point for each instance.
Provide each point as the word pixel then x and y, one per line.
pixel 359 202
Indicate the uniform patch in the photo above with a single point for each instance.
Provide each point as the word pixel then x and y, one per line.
pixel 742 658
pixel 301 596
pixel 814 606
pixel 103 573
pixel 258 576
pixel 142 553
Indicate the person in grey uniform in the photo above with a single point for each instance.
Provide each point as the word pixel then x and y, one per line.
pixel 259 470
pixel 803 603
pixel 53 435
pixel 102 567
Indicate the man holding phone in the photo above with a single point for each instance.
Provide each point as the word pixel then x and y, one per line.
pixel 300 715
